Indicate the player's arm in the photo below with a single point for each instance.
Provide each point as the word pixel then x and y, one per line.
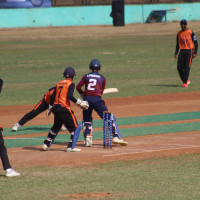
pixel 53 97
pixel 103 85
pixel 51 103
pixel 177 47
pixel 82 104
pixel 79 86
pixel 194 39
pixel 70 95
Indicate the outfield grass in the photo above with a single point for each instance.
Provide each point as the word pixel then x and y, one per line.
pixel 152 179
pixel 137 59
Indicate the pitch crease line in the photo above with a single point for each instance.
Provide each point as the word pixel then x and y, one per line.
pixel 143 151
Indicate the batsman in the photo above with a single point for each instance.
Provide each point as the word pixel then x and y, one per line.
pixel 94 84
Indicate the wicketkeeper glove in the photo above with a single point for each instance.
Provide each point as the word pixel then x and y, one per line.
pixel 49 111
pixel 82 104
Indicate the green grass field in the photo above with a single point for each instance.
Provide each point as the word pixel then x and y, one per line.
pixel 138 60
pixel 152 179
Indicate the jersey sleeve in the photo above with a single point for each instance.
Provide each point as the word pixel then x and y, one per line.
pixel 177 45
pixel 71 93
pixel 194 39
pixel 80 84
pixel 53 97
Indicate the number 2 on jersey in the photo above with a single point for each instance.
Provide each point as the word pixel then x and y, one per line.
pixel 92 84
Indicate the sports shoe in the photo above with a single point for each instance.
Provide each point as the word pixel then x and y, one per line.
pixel 188 82
pixel 69 149
pixel 15 127
pixel 117 140
pixel 11 172
pixel 185 85
pixel 45 147
pixel 88 141
pixel 63 128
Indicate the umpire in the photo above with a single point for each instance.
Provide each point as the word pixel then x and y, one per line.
pixel 187 43
pixel 10 172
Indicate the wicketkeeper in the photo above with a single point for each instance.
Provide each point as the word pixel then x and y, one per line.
pixel 60 107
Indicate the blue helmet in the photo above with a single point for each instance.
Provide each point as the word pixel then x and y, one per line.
pixel 95 64
pixel 69 72
pixel 183 22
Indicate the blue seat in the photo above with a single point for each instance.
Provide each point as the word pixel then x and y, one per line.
pixel 157 16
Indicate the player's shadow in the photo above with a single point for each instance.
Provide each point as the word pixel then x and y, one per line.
pixel 166 85
pixel 34 129
pixel 40 149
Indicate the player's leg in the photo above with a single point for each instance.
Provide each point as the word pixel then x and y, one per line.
pixel 188 63
pixel 69 120
pixel 87 126
pixel 40 107
pixel 53 132
pixel 117 138
pixel 180 65
pixel 3 152
pixel 10 172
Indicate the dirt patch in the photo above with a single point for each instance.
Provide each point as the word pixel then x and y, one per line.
pixel 97 195
pixel 139 147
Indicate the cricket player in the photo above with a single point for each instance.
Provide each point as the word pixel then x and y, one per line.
pixel 60 106
pixel 186 41
pixel 10 172
pixel 94 84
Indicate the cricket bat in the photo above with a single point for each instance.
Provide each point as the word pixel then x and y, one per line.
pixel 110 90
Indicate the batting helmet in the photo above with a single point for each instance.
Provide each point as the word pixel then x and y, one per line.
pixel 69 72
pixel 95 64
pixel 183 22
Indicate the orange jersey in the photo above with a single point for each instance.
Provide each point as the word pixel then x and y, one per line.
pixel 47 96
pixel 185 39
pixel 61 96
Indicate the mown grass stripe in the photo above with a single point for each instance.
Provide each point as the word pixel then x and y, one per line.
pixel 98 134
pixel 120 121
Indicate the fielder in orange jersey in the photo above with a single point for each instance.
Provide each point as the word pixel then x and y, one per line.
pixel 39 108
pixel 186 41
pixel 10 172
pixel 60 107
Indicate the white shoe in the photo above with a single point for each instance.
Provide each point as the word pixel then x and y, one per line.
pixel 63 128
pixel 88 141
pixel 15 127
pixel 45 147
pixel 73 150
pixel 11 172
pixel 117 140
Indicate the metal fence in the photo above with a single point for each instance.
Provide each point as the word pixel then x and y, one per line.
pixel 109 2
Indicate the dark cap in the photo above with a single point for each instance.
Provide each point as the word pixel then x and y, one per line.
pixel 183 22
pixel 69 72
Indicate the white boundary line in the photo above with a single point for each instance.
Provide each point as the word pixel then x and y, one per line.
pixel 147 151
